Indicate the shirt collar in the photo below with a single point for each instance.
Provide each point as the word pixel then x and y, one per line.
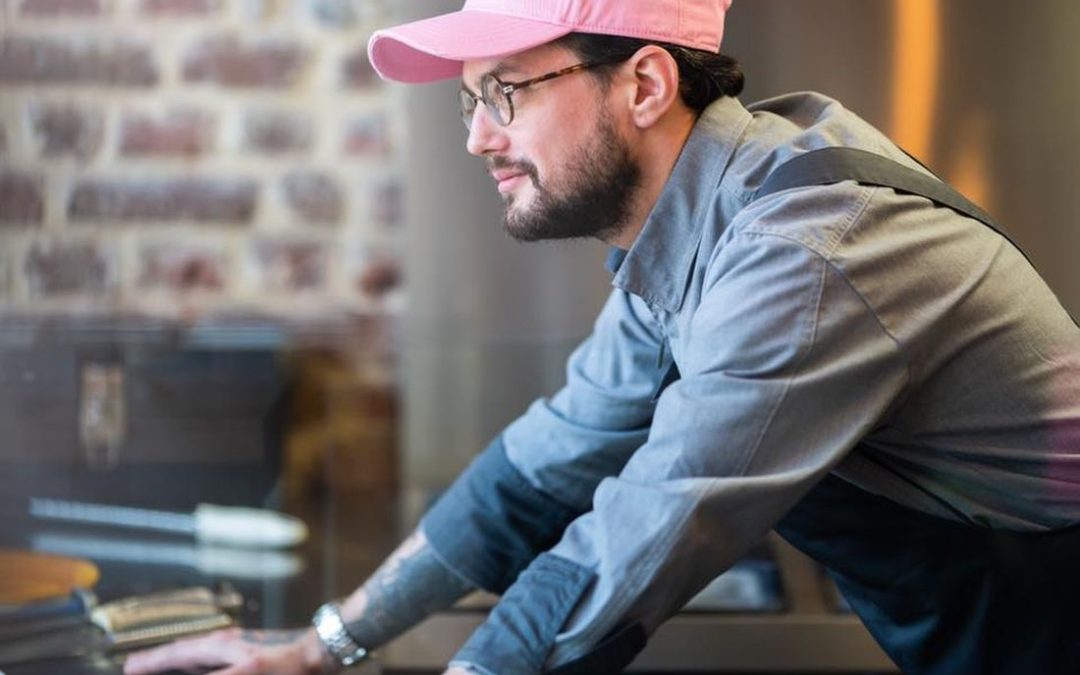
pixel 657 266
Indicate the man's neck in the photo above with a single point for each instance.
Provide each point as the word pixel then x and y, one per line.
pixel 657 151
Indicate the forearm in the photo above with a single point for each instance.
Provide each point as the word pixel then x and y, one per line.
pixel 412 584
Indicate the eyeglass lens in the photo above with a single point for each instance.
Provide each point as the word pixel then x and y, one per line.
pixel 468 107
pixel 497 100
pixel 494 98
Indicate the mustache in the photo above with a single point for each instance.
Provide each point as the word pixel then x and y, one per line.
pixel 524 166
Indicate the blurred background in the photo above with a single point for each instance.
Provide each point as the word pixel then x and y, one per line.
pixel 235 267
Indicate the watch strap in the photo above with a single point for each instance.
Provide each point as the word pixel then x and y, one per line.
pixel 330 628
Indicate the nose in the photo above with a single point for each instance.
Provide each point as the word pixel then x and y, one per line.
pixel 485 134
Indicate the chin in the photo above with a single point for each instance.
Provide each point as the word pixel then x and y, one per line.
pixel 515 206
pixel 520 198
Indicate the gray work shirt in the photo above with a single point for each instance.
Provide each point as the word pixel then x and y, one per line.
pixel 849 329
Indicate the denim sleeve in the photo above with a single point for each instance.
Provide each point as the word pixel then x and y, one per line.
pixel 492 522
pixel 527 618
pixel 786 368
pixel 516 499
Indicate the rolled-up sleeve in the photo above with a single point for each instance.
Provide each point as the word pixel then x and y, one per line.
pixel 785 368
pixel 515 500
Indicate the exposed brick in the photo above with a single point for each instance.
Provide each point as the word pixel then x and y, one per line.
pixel 203 200
pixel 273 132
pixel 356 71
pixel 67 130
pixel 313 197
pixel 289 265
pixel 182 267
pixel 379 276
pixel 179 8
pixel 367 135
pixel 227 61
pixel 22 198
pixel 61 267
pixel 61 8
pixel 386 202
pixel 75 60
pixel 177 133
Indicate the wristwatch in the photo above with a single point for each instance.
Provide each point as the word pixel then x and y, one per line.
pixel 330 628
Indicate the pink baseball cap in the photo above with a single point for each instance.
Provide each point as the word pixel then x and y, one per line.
pixel 434 49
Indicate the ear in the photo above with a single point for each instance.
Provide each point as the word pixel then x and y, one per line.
pixel 656 85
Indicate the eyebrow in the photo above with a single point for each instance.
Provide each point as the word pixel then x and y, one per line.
pixel 498 71
pixel 505 69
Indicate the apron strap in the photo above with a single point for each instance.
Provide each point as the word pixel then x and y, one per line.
pixel 834 165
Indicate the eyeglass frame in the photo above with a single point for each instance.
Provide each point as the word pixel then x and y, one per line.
pixel 508 88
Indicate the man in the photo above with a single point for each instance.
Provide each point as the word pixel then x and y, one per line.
pixel 878 375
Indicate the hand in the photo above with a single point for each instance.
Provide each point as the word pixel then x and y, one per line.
pixel 456 671
pixel 237 652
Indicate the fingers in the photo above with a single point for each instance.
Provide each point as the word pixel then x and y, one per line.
pixel 267 662
pixel 216 649
pixel 251 667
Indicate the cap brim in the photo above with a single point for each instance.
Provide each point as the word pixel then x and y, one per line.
pixel 434 49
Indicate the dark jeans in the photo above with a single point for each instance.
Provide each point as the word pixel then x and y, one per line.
pixel 946 598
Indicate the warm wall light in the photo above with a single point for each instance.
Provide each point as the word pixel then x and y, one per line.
pixel 917 57
pixel 916 79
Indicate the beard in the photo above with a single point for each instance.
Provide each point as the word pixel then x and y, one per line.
pixel 602 180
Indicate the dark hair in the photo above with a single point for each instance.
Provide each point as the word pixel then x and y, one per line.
pixel 703 76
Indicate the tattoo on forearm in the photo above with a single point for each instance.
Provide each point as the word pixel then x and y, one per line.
pixel 271 637
pixel 409 586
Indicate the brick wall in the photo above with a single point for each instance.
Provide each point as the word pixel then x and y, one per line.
pixel 169 157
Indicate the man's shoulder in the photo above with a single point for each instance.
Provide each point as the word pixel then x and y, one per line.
pixel 784 128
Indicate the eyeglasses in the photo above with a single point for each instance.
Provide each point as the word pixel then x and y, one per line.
pixel 497 96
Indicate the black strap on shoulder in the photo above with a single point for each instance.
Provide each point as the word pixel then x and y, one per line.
pixel 834 165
